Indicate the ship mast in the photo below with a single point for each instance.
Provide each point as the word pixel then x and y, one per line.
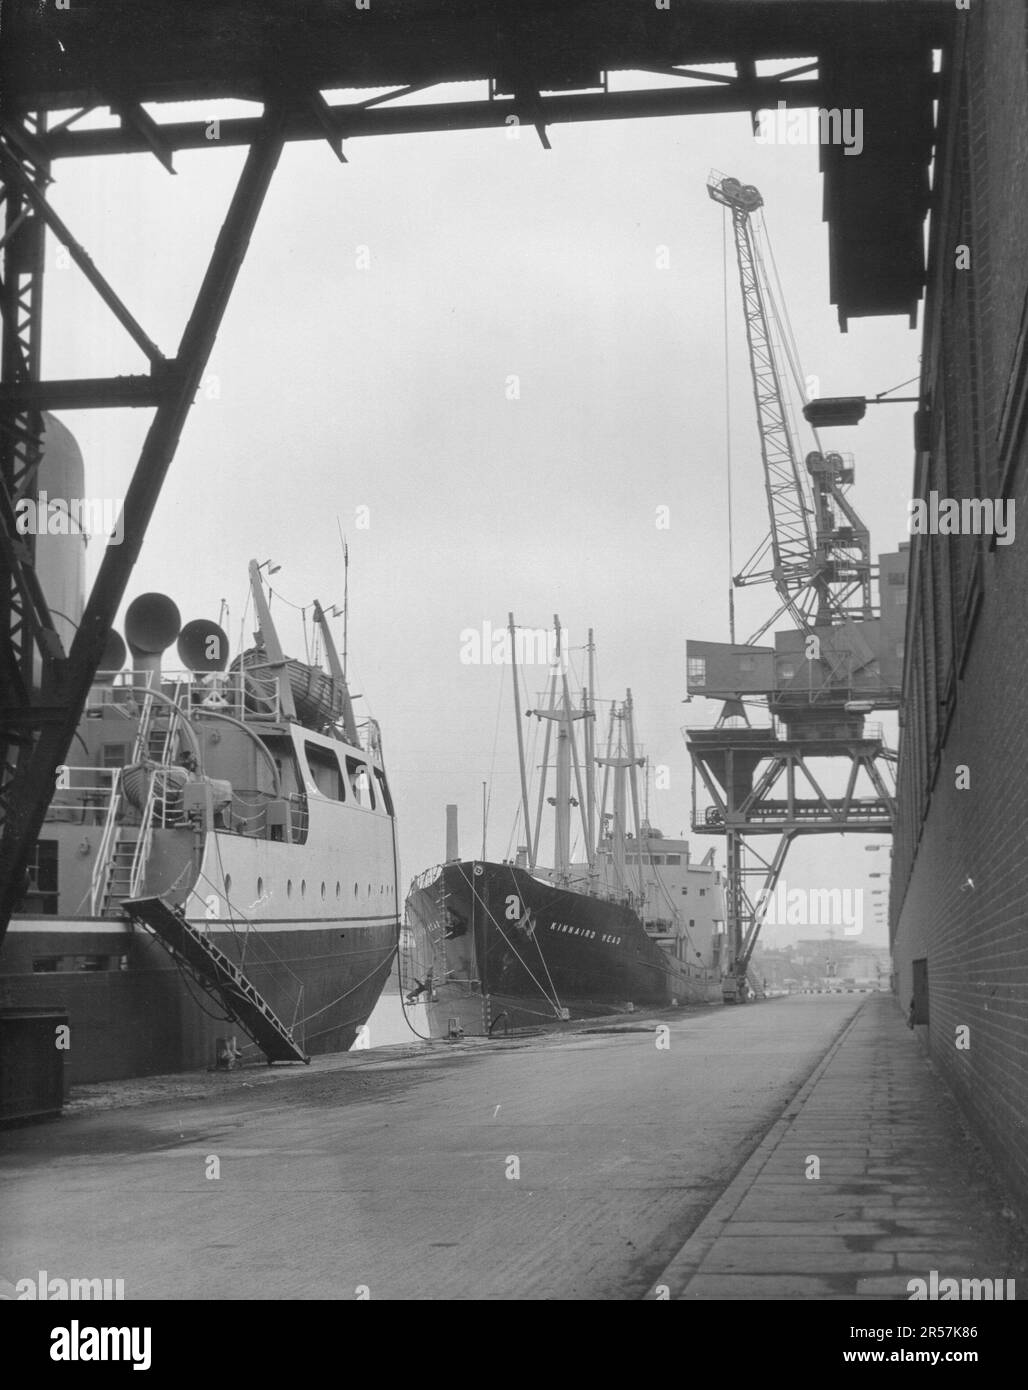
pixel 633 764
pixel 338 675
pixel 606 765
pixel 617 830
pixel 563 716
pixel 346 604
pixel 268 638
pixel 545 766
pixel 521 745
pixel 588 696
pixel 623 762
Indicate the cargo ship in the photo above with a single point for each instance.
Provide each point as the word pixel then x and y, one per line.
pixel 491 947
pixel 216 879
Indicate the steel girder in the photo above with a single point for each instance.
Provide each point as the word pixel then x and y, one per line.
pixel 40 724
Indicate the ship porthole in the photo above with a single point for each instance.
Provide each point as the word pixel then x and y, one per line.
pixel 339 889
pixel 303 888
pixel 260 887
pixel 289 887
pixel 356 890
pixel 322 892
pixel 228 884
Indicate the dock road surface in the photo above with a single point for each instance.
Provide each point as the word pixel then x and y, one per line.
pixel 571 1166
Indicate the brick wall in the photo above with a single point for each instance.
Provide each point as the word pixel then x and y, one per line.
pixel 966 678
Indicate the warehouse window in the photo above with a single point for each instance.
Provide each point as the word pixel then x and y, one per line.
pixel 91 963
pixel 919 1001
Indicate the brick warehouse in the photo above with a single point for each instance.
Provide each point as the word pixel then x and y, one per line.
pixel 959 894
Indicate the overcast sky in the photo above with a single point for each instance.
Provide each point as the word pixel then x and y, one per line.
pixel 335 387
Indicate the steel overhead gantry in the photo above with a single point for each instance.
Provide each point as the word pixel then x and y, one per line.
pixel 760 784
pixel 821 678
pixel 39 724
pixel 544 64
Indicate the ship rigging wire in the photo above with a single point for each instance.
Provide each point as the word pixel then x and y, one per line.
pixel 554 1003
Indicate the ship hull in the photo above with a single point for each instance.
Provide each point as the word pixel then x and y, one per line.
pixel 489 947
pixel 134 1012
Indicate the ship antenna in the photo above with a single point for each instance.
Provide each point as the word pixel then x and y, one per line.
pixel 346 594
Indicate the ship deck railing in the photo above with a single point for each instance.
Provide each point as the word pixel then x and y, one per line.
pixel 83 794
pixel 251 697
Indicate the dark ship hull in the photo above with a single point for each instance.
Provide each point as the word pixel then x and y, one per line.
pixel 490 947
pixel 133 1013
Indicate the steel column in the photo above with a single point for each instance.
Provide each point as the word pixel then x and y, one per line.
pixel 68 683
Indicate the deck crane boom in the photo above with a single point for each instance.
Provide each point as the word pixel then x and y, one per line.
pixel 840 659
pixel 820 548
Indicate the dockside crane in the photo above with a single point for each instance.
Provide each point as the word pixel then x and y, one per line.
pixel 820 549
pixel 841 659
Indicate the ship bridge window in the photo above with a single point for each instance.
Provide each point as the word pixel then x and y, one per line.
pixel 697 670
pixel 657 859
pixel 46 965
pixel 673 859
pixel 360 783
pixel 324 769
pixel 283 754
pixel 385 799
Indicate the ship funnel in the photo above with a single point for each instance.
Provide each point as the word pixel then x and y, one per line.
pixel 112 660
pixel 452 851
pixel 203 646
pixel 152 623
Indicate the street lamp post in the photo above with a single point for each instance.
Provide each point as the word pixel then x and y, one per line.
pixel 829 412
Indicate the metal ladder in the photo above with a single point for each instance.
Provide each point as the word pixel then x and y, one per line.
pixel 217 977
pixel 144 837
pixel 121 860
pixel 113 865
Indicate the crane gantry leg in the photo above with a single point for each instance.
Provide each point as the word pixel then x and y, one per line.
pixel 38 726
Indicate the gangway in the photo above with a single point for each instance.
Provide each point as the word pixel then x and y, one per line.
pixel 217 977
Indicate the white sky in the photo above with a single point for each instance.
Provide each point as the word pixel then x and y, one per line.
pixel 385 388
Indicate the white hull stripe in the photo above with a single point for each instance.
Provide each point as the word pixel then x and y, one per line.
pixel 98 926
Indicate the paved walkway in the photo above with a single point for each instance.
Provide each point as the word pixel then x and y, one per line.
pixel 900 1190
